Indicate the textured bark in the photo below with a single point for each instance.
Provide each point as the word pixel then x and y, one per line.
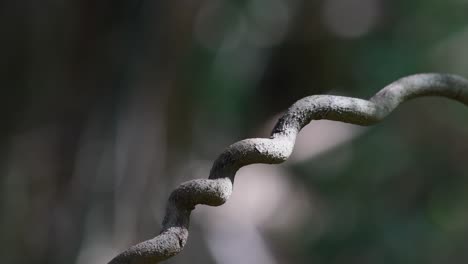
pixel 216 190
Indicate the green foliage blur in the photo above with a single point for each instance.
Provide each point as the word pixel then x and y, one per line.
pixel 108 105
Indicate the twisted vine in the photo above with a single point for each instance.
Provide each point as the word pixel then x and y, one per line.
pixel 216 190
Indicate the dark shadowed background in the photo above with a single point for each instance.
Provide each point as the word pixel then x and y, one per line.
pixel 106 106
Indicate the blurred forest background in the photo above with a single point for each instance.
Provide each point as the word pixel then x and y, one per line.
pixel 106 106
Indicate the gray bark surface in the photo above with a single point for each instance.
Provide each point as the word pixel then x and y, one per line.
pixel 217 189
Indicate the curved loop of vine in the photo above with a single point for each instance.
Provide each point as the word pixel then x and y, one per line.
pixel 216 190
